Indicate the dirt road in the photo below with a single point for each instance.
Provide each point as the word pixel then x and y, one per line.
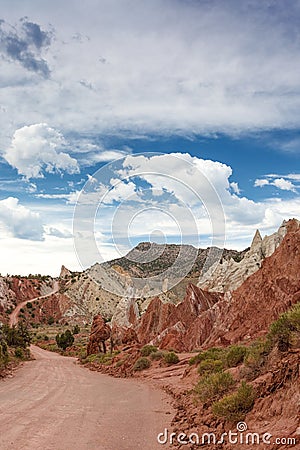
pixel 13 318
pixel 54 404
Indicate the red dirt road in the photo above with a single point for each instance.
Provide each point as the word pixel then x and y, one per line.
pixel 13 318
pixel 54 404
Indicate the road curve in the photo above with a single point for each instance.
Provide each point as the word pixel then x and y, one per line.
pixel 13 318
pixel 52 403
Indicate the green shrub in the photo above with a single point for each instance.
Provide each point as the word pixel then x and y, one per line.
pixel 235 355
pixel 19 353
pixel 234 407
pixel 141 364
pixel 101 358
pixel 214 385
pixel 148 349
pixel 16 336
pixel 157 355
pixel 214 353
pixel 64 340
pixel 3 353
pixel 29 305
pixel 256 354
pixel 281 331
pixel 51 320
pixel 210 366
pixel 171 358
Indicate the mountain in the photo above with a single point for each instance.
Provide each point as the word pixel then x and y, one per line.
pixel 107 288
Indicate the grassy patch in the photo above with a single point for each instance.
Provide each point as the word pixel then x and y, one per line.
pixel 100 358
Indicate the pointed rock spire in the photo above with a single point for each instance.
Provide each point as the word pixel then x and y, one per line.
pixel 256 242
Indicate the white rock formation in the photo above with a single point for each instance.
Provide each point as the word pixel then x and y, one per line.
pixel 226 276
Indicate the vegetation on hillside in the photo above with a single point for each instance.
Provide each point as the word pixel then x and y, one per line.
pixel 14 344
pixel 217 388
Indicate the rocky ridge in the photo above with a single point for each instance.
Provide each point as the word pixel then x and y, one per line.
pixel 206 318
pixel 228 274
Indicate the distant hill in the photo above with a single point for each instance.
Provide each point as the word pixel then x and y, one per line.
pixel 135 266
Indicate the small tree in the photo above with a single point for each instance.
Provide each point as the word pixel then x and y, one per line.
pixel 64 340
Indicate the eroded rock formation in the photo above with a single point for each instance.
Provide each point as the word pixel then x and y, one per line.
pixel 100 333
pixel 165 324
pixel 229 274
pixel 211 318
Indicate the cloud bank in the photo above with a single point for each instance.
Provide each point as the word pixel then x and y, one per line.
pixel 159 67
pixel 38 148
pixel 20 221
pixel 24 43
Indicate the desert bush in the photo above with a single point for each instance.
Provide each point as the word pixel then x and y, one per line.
pixel 281 331
pixel 19 353
pixel 234 407
pixel 157 355
pixel 214 385
pixel 256 354
pixel 101 358
pixel 214 353
pixel 64 340
pixel 210 366
pixel 17 336
pixel 171 358
pixel 141 364
pixel 3 353
pixel 235 355
pixel 148 349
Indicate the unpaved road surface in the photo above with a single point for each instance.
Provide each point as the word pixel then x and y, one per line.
pixel 54 404
pixel 13 318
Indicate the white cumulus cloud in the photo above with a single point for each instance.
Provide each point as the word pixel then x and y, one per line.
pixel 20 221
pixel 261 182
pixel 281 183
pixel 38 148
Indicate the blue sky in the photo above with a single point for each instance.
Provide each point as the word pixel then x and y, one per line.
pixel 84 84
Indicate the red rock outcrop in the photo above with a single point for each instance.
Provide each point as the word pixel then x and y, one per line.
pixel 165 324
pixel 206 318
pixel 100 332
pixel 123 335
pixel 266 294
